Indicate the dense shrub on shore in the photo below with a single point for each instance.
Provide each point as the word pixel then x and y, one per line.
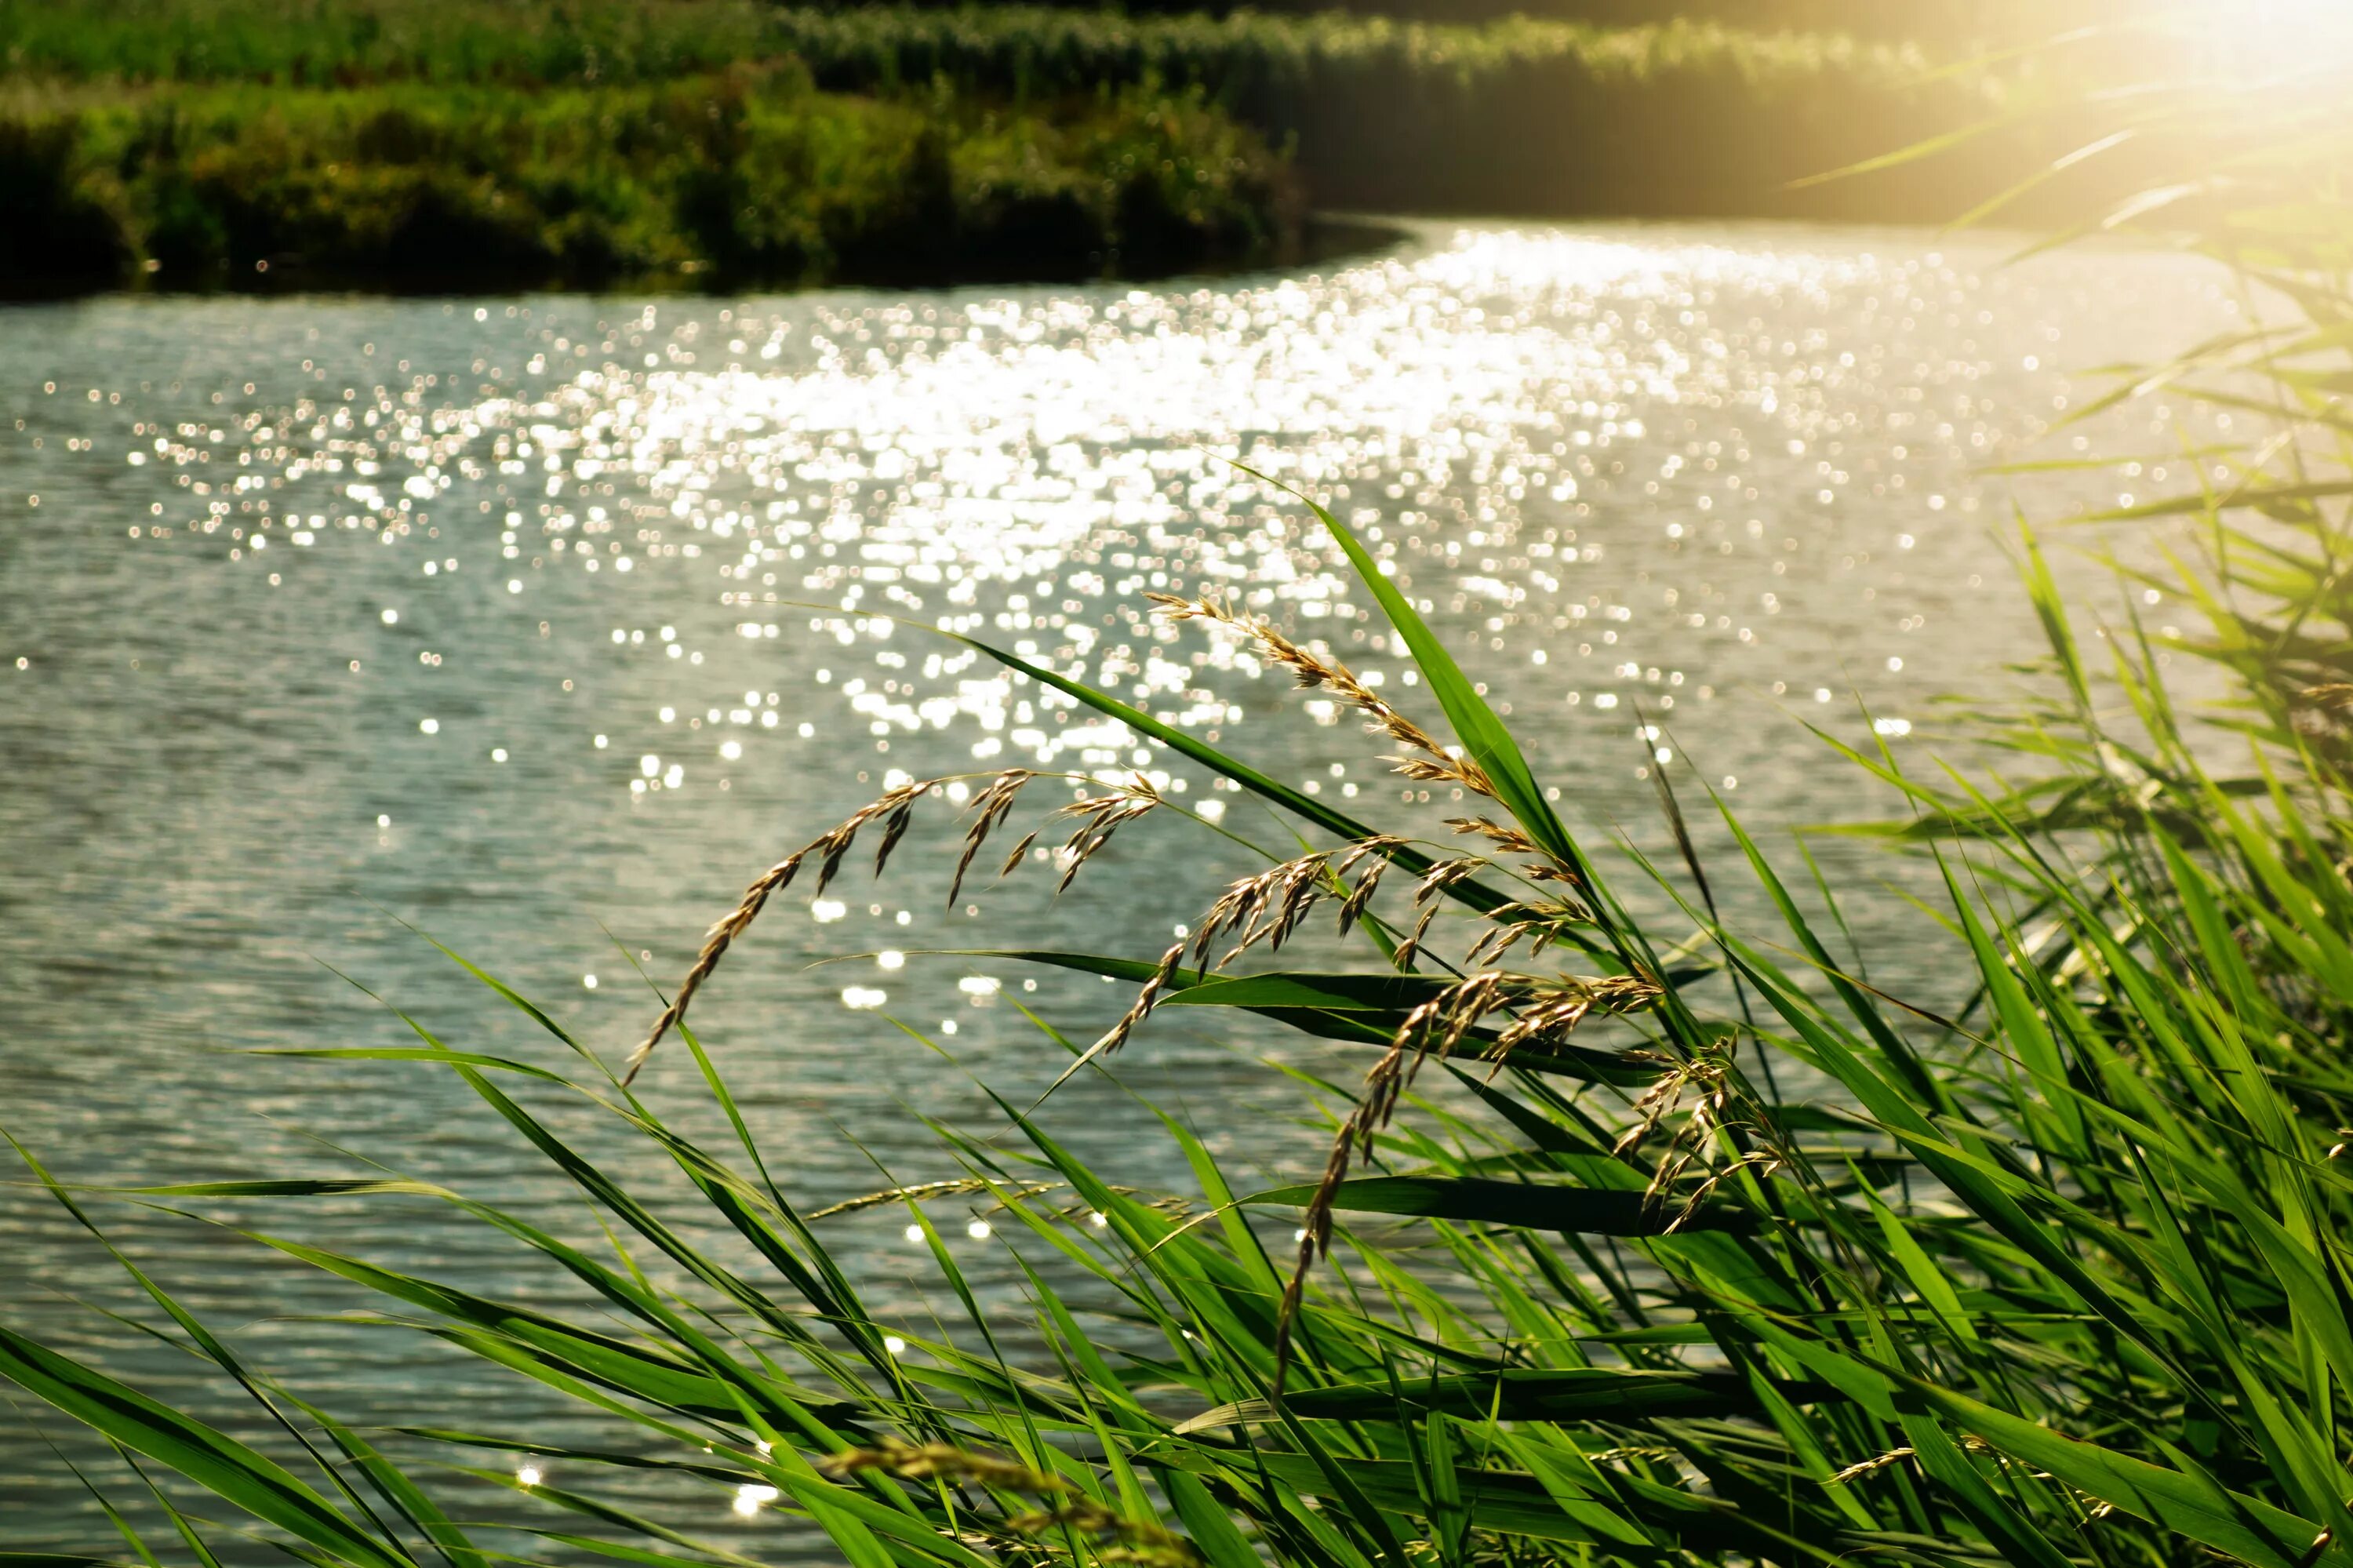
pixel 746 175
pixel 1520 114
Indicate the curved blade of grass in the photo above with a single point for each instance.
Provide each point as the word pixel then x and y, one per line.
pixel 620 1551
pixel 628 1367
pixel 214 1460
pixel 1589 1210
pixel 597 1508
pixel 400 1491
pixel 205 1342
pixel 1336 1006
pixel 1483 735
pixel 2238 1526
pixel 1584 1393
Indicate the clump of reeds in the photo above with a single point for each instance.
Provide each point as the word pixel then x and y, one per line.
pixel 1266 909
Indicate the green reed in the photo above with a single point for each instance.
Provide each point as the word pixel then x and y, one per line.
pixel 2055 1277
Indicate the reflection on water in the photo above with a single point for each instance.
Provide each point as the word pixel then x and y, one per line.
pixel 542 623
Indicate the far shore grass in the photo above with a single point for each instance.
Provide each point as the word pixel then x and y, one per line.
pixel 746 175
pixel 587 143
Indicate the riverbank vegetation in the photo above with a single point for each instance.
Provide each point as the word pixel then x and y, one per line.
pixel 746 176
pixel 106 114
pixel 1032 48
pixel 1513 115
pixel 1645 1238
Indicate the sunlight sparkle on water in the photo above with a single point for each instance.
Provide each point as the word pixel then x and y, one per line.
pixel 1468 407
pixel 1653 467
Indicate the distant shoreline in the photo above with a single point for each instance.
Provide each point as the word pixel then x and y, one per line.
pixel 717 180
pixel 409 146
pixel 1319 238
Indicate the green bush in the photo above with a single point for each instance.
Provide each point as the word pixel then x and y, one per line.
pixel 62 223
pixel 748 175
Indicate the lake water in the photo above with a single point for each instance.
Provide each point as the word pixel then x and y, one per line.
pixel 328 622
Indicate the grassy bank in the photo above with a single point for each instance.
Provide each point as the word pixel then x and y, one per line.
pixel 1510 115
pixel 746 175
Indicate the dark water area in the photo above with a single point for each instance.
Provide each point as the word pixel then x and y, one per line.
pixel 537 625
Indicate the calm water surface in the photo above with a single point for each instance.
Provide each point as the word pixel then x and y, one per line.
pixel 328 625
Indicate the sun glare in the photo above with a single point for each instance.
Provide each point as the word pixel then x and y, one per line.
pixel 2266 36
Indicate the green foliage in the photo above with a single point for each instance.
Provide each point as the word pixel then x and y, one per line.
pixel 1967 24
pixel 1510 114
pixel 748 175
pixel 340 42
